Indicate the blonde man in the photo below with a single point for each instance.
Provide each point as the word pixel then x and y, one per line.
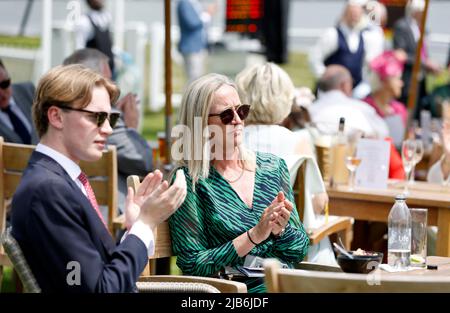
pixel 55 217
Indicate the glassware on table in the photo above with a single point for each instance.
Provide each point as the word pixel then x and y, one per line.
pixel 418 256
pixel 408 153
pixel 352 162
pixel 418 155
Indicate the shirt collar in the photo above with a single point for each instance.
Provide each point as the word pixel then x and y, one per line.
pixel 67 164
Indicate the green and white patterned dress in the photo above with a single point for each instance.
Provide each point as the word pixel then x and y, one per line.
pixel 205 225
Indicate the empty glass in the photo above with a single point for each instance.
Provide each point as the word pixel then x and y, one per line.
pixel 408 153
pixel 418 155
pixel 418 256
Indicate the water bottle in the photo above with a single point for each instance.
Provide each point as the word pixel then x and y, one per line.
pixel 399 234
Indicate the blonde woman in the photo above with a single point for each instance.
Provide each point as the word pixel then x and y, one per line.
pixel 238 203
pixel 269 90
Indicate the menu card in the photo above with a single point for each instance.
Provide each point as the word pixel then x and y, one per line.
pixel 374 168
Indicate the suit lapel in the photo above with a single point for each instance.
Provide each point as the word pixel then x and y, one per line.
pixel 99 234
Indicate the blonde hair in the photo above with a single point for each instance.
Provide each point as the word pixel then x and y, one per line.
pixel 196 103
pixel 69 85
pixel 269 90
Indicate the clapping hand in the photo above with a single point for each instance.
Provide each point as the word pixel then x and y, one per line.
pixel 154 201
pixel 281 214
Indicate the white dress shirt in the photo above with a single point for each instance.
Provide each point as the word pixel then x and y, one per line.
pixel 331 105
pixel 139 229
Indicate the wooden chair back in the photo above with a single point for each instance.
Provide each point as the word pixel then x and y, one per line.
pixel 342 225
pixel 14 159
pixel 293 280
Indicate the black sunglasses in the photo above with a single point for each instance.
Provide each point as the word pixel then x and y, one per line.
pixel 99 116
pixel 227 115
pixel 5 83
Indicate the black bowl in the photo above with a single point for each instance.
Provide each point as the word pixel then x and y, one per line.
pixel 362 264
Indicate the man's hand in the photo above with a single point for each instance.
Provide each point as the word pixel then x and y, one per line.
pixel 154 201
pixel 129 105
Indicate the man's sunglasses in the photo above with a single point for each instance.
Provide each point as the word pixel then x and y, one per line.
pixel 100 117
pixel 5 83
pixel 227 115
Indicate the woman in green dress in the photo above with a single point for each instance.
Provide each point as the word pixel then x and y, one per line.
pixel 238 203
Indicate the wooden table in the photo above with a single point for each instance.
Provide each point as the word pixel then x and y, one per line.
pixel 443 264
pixel 375 205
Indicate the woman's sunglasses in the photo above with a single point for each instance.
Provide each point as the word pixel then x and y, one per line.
pixel 100 117
pixel 5 83
pixel 227 115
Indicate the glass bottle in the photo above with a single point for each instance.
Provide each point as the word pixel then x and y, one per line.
pixel 399 234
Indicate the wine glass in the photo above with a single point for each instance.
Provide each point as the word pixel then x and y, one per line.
pixel 352 162
pixel 408 152
pixel 418 155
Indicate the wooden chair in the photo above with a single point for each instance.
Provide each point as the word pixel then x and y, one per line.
pixel 340 225
pixel 13 161
pixel 163 248
pixel 30 284
pixel 294 280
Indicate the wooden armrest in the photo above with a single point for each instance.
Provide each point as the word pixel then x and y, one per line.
pixel 4 260
pixel 225 286
pixel 309 266
pixel 340 224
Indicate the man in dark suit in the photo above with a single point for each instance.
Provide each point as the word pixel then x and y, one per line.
pixel 406 37
pixel 55 216
pixel 134 155
pixel 15 110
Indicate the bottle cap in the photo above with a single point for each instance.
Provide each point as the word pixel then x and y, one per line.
pixel 400 197
pixel 432 267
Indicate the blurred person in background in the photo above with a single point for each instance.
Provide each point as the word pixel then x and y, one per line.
pixel 93 31
pixel 193 45
pixel 342 45
pixel 269 91
pixel 15 110
pixel 406 37
pixel 386 81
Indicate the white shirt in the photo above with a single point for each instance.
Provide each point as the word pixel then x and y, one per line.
pixel 4 117
pixel 330 106
pixel 139 229
pixel 328 43
pixel 84 31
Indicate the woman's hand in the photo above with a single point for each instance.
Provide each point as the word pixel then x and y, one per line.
pixel 263 229
pixel 282 214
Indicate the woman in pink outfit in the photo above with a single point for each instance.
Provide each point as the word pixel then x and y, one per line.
pixel 386 81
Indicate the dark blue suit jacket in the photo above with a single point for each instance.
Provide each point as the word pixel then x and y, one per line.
pixel 55 224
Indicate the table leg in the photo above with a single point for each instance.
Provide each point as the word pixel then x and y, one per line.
pixel 443 235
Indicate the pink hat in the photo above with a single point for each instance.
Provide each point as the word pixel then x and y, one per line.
pixel 388 64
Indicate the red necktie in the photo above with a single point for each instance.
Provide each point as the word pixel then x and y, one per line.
pixel 91 196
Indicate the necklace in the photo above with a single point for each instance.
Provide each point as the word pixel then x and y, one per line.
pixel 231 181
